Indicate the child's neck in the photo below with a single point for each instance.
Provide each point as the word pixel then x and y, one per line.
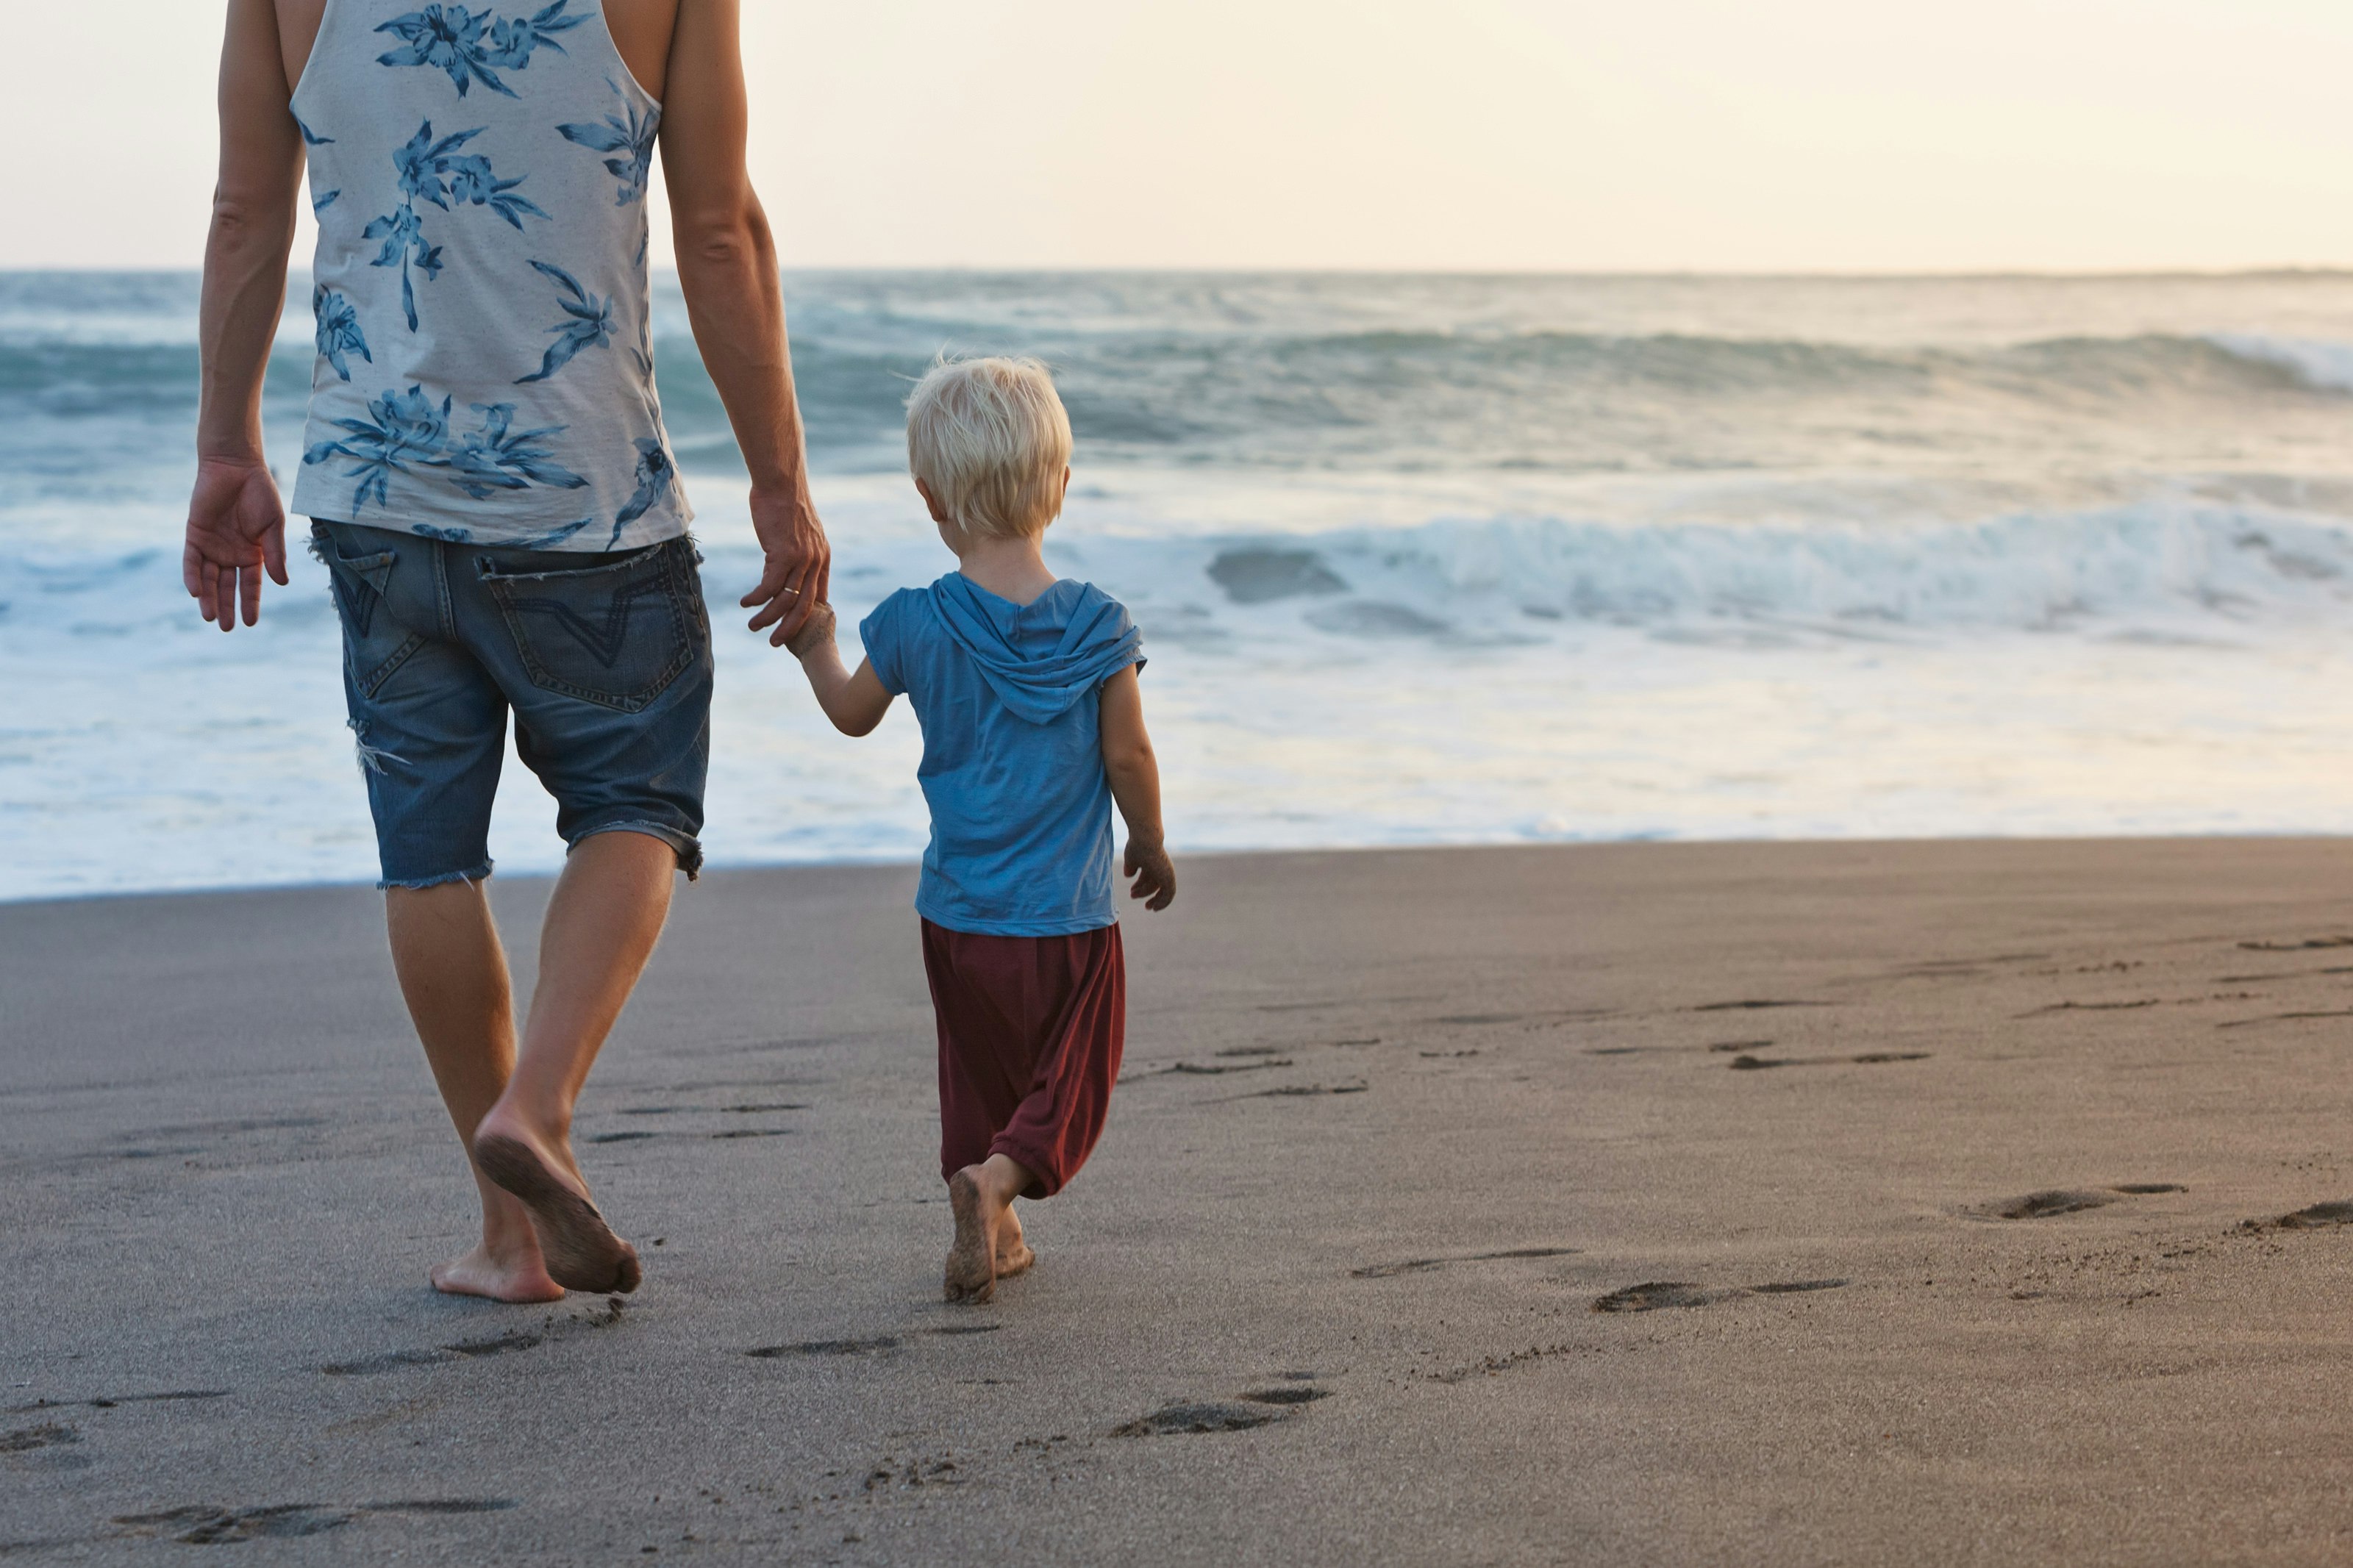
pixel 1011 569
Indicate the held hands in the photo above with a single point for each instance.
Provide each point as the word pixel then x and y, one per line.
pixel 1154 874
pixel 799 565
pixel 816 632
pixel 236 531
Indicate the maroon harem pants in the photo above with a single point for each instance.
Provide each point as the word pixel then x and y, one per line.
pixel 1031 1028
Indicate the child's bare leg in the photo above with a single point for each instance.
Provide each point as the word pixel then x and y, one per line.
pixel 982 1196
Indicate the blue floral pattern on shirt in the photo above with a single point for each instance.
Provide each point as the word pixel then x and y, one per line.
pixel 655 475
pixel 437 173
pixel 625 133
pixel 339 331
pixel 474 46
pixel 589 324
pixel 406 431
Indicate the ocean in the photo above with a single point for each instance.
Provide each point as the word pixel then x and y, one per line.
pixel 1418 560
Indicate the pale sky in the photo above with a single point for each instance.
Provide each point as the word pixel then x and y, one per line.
pixel 1712 135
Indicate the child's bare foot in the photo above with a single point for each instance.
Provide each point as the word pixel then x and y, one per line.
pixel 982 1196
pixel 480 1273
pixel 972 1258
pixel 581 1250
pixel 1013 1253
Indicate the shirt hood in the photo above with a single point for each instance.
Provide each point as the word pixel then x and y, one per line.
pixel 1042 656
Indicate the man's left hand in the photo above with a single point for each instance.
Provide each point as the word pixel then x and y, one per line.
pixel 799 567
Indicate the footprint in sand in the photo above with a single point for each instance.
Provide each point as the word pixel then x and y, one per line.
pixel 120 1399
pixel 1653 1296
pixel 2319 1217
pixel 2062 1200
pixel 204 1526
pixel 1208 1416
pixel 25 1439
pixel 1746 1063
pixel 1297 1090
pixel 214 1526
pixel 1664 1293
pixel 878 1345
pixel 1294 1394
pixel 1424 1265
pixel 464 1349
pixel 1258 1408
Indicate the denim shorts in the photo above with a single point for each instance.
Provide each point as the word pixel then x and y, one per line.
pixel 605 660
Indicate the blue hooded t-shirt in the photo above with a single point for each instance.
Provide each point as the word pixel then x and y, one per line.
pixel 1022 836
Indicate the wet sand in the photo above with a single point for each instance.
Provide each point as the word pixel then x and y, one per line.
pixel 1627 1204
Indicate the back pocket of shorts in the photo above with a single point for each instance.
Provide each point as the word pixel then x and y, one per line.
pixel 616 634
pixel 371 651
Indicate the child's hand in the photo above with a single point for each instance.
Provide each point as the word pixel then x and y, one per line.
pixel 816 632
pixel 1154 874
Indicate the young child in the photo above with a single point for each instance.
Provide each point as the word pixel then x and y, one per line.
pixel 1033 725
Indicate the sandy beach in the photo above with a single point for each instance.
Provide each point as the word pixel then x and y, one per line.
pixel 1632 1205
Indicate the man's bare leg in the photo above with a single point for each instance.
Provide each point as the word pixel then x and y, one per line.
pixel 982 1196
pixel 602 925
pixel 453 974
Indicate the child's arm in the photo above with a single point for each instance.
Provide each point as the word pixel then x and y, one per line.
pixel 1135 786
pixel 855 704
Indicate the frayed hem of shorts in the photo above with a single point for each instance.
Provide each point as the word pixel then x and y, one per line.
pixel 685 846
pixel 480 873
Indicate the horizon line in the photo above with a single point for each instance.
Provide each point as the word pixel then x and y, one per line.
pixel 1989 275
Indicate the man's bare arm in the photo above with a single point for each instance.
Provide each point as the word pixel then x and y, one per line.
pixel 237 522
pixel 1135 776
pixel 727 264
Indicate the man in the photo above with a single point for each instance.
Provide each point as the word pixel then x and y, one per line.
pixel 496 499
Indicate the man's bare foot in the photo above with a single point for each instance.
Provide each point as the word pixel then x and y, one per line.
pixel 1013 1253
pixel 582 1252
pixel 478 1273
pixel 972 1258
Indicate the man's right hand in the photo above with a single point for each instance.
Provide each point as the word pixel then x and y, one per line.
pixel 236 531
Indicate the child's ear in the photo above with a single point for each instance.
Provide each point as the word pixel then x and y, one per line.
pixel 1066 482
pixel 932 503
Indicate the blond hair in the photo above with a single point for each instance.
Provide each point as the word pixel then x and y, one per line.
pixel 991 440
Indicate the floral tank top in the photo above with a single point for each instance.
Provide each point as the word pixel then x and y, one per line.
pixel 485 371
